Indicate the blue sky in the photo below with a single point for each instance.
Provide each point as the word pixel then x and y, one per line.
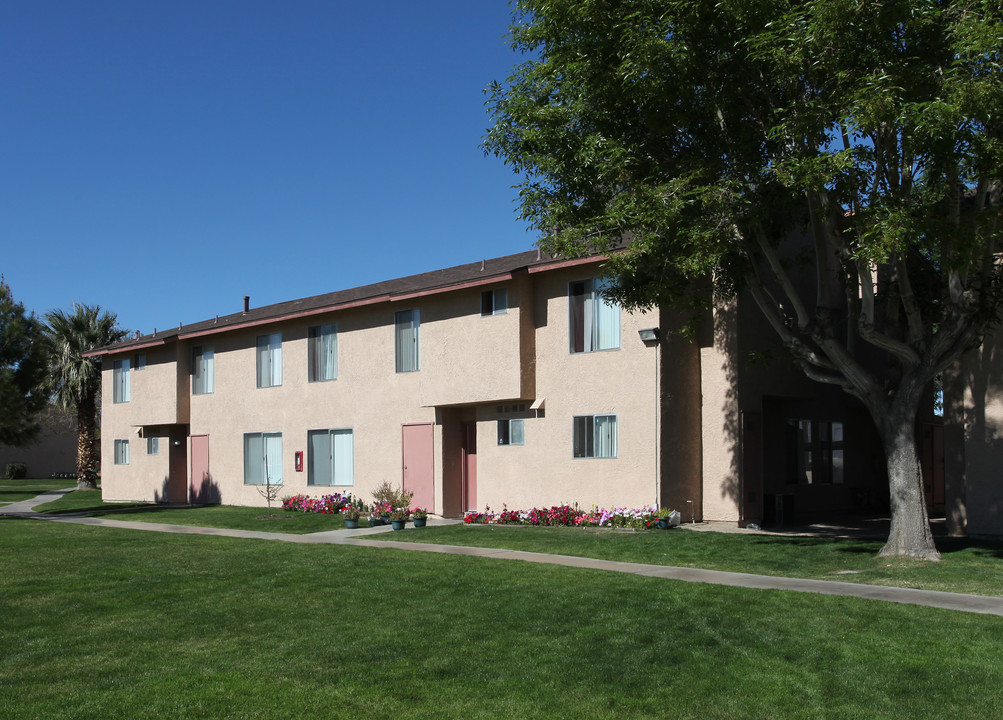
pixel 164 159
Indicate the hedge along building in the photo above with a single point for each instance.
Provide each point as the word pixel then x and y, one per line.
pixel 505 381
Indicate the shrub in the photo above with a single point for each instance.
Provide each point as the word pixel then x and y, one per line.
pixel 387 494
pixel 16 471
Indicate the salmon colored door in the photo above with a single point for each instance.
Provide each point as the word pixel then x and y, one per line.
pixel 419 471
pixel 203 491
pixel 468 467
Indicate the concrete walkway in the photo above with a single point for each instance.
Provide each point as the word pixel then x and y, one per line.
pixel 930 598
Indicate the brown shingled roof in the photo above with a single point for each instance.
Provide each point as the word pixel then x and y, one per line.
pixel 480 272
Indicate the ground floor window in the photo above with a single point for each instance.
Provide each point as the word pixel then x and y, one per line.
pixel 153 446
pixel 332 457
pixel 594 436
pixel 814 451
pixel 121 452
pixel 512 431
pixel 263 459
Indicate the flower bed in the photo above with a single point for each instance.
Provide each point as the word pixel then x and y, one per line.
pixel 324 504
pixel 568 516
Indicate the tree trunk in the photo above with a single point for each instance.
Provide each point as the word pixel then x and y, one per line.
pixel 87 456
pixel 910 525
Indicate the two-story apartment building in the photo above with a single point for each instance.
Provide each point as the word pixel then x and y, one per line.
pixel 505 381
pixel 508 380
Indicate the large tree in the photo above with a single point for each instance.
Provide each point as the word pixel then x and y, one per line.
pixel 22 369
pixel 75 380
pixel 716 133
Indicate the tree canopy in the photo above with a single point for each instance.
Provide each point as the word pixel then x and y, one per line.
pixel 22 369
pixel 74 379
pixel 714 133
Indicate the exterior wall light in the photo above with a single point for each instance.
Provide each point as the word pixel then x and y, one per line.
pixel 649 335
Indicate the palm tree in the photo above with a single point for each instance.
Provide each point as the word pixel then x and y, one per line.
pixel 75 380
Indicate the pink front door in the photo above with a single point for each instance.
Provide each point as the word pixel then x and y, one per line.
pixel 419 470
pixel 202 489
pixel 468 467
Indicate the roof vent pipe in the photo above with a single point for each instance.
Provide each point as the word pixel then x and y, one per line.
pixel 137 334
pixel 538 257
pixel 247 304
pixel 482 265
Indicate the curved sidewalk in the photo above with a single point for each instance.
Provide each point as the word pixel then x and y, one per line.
pixel 930 598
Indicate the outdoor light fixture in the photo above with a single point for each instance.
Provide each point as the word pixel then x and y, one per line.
pixel 649 335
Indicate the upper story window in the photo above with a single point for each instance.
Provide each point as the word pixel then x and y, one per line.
pixel 594 321
pixel 494 302
pixel 203 370
pixel 594 436
pixel 269 362
pixel 406 346
pixel 139 361
pixel 153 446
pixel 120 381
pixel 323 352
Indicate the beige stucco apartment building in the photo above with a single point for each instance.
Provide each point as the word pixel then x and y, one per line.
pixel 505 381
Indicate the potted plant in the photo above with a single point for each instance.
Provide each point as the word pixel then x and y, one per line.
pixel 351 516
pixel 419 516
pixel 664 515
pixel 398 517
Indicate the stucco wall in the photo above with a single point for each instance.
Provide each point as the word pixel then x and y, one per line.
pixel 470 367
pixel 976 481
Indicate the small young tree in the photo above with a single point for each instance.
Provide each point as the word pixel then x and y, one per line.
pixel 270 492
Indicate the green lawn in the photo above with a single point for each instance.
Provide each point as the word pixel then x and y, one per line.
pixel 17 490
pixel 967 566
pixel 107 623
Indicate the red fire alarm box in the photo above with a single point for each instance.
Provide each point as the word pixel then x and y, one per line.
pixel 299 461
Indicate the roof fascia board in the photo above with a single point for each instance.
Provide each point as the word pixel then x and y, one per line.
pixel 107 350
pixel 569 263
pixel 396 297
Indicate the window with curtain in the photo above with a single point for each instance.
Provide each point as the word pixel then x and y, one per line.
pixel 594 436
pixel 406 352
pixel 332 457
pixel 511 431
pixel 263 458
pixel 269 362
pixel 121 452
pixel 120 381
pixel 203 370
pixel 323 353
pixel 594 322
pixel 494 302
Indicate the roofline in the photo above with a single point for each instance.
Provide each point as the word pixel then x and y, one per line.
pixel 180 334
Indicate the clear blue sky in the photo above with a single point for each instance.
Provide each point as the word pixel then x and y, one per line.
pixel 164 159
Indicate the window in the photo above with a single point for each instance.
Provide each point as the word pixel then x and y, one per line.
pixel 139 361
pixel 594 436
pixel 594 322
pixel 511 431
pixel 332 458
pixel 263 459
pixel 120 378
pixel 269 360
pixel 494 302
pixel 814 451
pixel 121 452
pixel 406 325
pixel 153 446
pixel 323 353
pixel 203 370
